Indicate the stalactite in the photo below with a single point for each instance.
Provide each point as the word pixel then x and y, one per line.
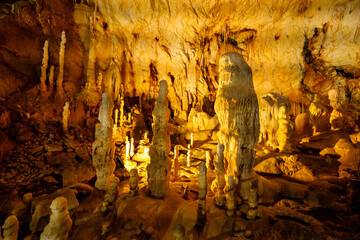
pixel 59 81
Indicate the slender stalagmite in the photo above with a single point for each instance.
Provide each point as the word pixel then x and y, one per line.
pixel 159 167
pixel 44 66
pixel 59 81
pixel 201 216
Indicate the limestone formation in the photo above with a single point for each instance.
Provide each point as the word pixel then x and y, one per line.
pixel 253 204
pixel 176 162
pixel 99 82
pixel 11 228
pixel 201 217
pixel 230 196
pixel 65 115
pixel 209 160
pixel 103 148
pixel 179 232
pixel 60 222
pixel 116 117
pixel 51 79
pixel 159 167
pixel 337 119
pixel 127 148
pixel 284 131
pixel 60 78
pixel 189 156
pixel 237 108
pixel 220 177
pixel 269 107
pixel 134 179
pixel 44 66
pixel 132 147
pixel 112 190
pixel 319 115
pixel 121 110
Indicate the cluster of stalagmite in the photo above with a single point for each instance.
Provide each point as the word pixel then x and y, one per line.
pixel 275 127
pixel 159 168
pixel 237 108
pixel 103 148
pixel 60 222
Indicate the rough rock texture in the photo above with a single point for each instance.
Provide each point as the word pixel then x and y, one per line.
pixel 159 167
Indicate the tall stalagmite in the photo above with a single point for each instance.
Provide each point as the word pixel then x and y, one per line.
pixel 103 148
pixel 159 167
pixel 237 108
pixel 44 66
pixel 59 81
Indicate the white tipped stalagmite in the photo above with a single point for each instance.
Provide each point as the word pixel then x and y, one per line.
pixel 159 167
pixel 59 81
pixel 60 222
pixel 176 162
pixel 44 66
pixel 103 148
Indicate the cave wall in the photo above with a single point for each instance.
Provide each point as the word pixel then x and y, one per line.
pixel 296 48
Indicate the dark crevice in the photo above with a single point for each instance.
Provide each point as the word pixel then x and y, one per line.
pixel 340 71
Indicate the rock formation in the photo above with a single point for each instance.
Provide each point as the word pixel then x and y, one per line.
pixel 269 106
pixel 176 162
pixel 220 177
pixel 51 79
pixel 284 131
pixel 11 228
pixel 60 222
pixel 237 108
pixel 103 146
pixel 319 116
pixel 112 190
pixel 159 167
pixel 134 179
pixel 65 115
pixel 60 78
pixel 202 182
pixel 44 66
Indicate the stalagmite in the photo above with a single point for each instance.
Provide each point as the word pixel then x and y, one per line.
pixel 253 204
pixel 99 82
pixel 220 177
pixel 192 139
pixel 116 117
pixel 127 149
pixel 319 115
pixel 66 115
pixel 44 66
pixel 337 119
pixel 59 81
pixel 103 148
pixel 237 108
pixel 189 155
pixel 90 72
pixel 230 195
pixel 11 228
pixel 176 162
pixel 202 182
pixel 60 222
pixel 132 147
pixel 121 111
pixel 51 79
pixel 269 105
pixel 112 190
pixel 179 232
pixel 209 160
pixel 159 167
pixel 284 131
pixel 134 179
